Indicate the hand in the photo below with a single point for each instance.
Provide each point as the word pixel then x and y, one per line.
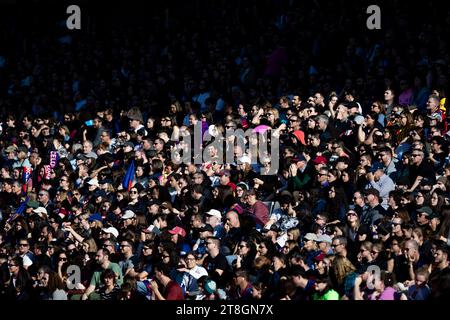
pixel 370 176
pixel 154 285
pixel 293 170
pixel 358 281
pixel 258 181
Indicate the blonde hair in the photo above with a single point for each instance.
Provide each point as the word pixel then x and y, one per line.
pixel 342 267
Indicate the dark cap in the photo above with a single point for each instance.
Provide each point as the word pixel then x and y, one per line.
pixel 376 166
pixel 427 210
pixel 206 227
pixel 363 229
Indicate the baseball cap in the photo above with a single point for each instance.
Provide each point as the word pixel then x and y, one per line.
pixel 33 204
pixel 324 238
pixel 206 227
pixel 215 213
pixel 426 210
pixel 178 230
pixel 310 236
pixel 300 135
pixel 95 217
pixel 112 231
pixel 245 159
pixel 153 201
pixel 320 160
pixel 376 166
pixel 11 149
pixel 210 286
pixel 128 215
pixel 128 144
pixel 40 210
pixel 93 182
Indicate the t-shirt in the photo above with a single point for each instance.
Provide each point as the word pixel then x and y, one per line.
pixel 173 291
pixel 96 277
pixel 212 264
pixel 129 263
pixel 303 294
pixel 329 295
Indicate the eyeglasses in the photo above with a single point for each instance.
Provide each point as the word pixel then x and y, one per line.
pixel 12 265
pixel 62 259
pixel 352 214
pixel 23 244
pixel 374 252
pixel 133 192
pixel 335 245
pixel 416 155
pixel 166 257
pixel 242 246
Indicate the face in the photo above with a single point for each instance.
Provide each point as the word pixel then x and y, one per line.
pixel 277 263
pixel 432 104
pixel 322 176
pixel 243 248
pixel 24 246
pixel 352 216
pixel 439 256
pixel 320 286
pixel 125 247
pixel 434 199
pixel 388 95
pixel 417 157
pixel 190 261
pixel 134 194
pixel 337 246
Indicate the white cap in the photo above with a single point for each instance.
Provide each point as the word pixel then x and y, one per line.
pixel 94 182
pixel 40 210
pixel 128 214
pixel 111 230
pixel 245 159
pixel 215 213
pixel 324 238
pixel 310 236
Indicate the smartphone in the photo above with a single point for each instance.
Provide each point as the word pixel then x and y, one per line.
pixel 89 123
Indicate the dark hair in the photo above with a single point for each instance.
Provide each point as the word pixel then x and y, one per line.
pixel 108 273
pixel 163 268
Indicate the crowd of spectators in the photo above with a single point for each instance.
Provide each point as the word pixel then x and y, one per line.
pixel 358 210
